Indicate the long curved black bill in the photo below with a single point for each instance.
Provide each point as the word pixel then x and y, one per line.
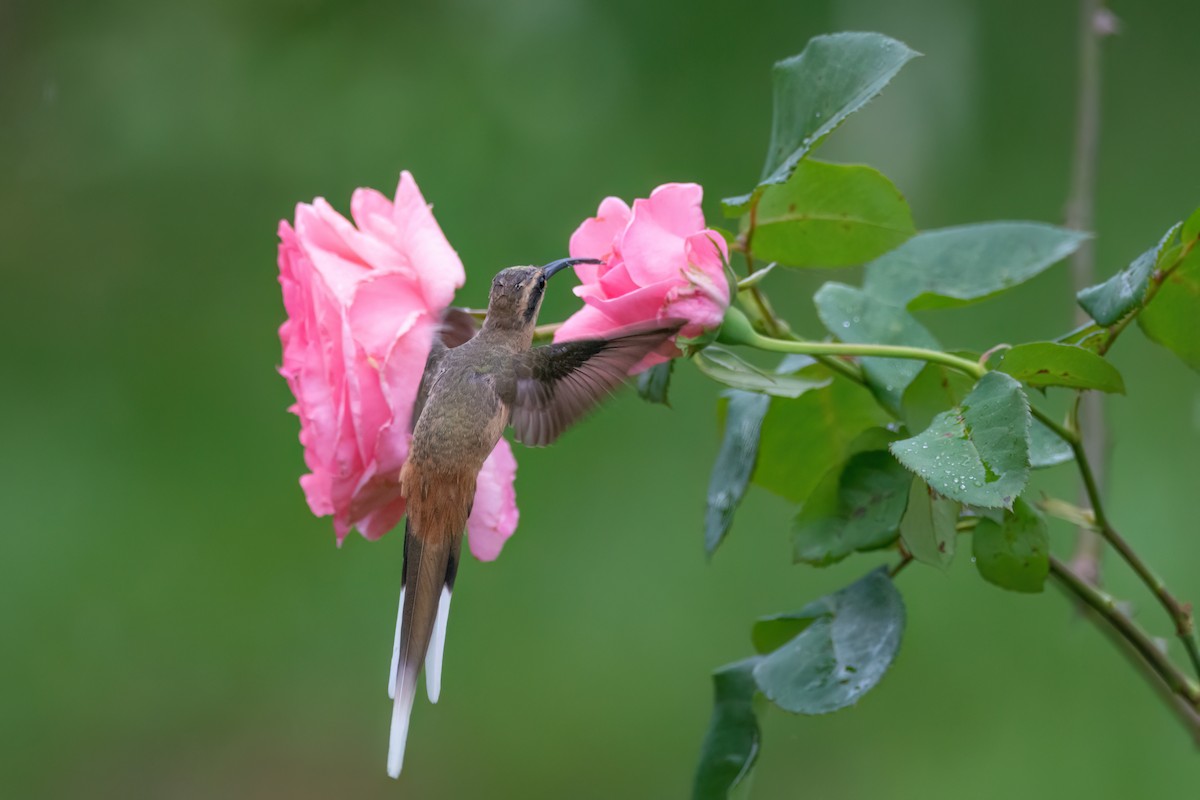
pixel 563 263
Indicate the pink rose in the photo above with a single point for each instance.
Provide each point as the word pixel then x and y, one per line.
pixel 659 262
pixel 364 301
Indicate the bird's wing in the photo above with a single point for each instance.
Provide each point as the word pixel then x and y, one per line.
pixel 457 327
pixel 557 384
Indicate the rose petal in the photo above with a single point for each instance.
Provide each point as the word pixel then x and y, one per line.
pixel 586 323
pixel 595 236
pixel 494 513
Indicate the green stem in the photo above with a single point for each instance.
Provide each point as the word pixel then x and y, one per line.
pixel 971 368
pixel 1106 607
pixel 1180 613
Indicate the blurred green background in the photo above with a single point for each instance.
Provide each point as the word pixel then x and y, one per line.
pixel 174 622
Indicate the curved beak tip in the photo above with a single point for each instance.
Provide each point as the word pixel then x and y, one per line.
pixel 558 266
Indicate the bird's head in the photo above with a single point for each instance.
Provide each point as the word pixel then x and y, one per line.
pixel 517 293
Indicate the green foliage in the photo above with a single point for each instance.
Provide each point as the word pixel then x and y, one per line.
pixel 837 436
pixel 731 745
pixel 957 266
pixel 849 640
pixel 852 315
pixel 829 215
pixel 935 389
pixel 856 506
pixel 816 90
pixel 929 527
pixel 725 367
pixel 1046 448
pixel 977 452
pixel 1173 319
pixel 734 465
pixel 1013 554
pixel 821 424
pixel 1108 302
pixel 654 383
pixel 1052 364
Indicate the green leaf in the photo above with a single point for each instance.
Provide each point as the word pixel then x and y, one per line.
pixel 773 632
pixel 935 389
pixel 829 215
pixel 724 367
pixel 733 739
pixel 1173 318
pixel 856 506
pixel 851 640
pixel 815 91
pixel 734 464
pixel 1191 227
pixel 1108 302
pixel 854 316
pixel 1051 364
pixel 801 437
pixel 1014 555
pixel 928 527
pixel 1046 448
pixel 961 265
pixel 1090 337
pixel 978 452
pixel 652 385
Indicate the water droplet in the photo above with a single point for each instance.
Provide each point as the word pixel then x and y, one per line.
pixel 845 323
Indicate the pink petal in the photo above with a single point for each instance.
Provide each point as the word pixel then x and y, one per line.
pixel 595 236
pixel 640 305
pixel 586 323
pixel 614 279
pixel 653 244
pixel 401 377
pixel 425 245
pixel 494 514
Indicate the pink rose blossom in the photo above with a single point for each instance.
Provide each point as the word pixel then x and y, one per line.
pixel 364 301
pixel 659 262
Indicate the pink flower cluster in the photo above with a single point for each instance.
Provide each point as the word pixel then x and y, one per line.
pixel 364 300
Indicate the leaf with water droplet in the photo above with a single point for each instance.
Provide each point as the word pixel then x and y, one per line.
pixel 854 316
pixel 834 76
pixel 935 389
pixel 845 644
pixel 1014 554
pixel 977 452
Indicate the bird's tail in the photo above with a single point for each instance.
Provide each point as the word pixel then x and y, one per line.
pixel 431 553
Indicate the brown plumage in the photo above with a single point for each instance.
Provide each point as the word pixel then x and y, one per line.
pixel 472 388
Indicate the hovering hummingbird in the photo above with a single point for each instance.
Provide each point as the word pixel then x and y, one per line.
pixel 474 385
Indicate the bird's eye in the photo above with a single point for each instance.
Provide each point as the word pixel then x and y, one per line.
pixel 542 282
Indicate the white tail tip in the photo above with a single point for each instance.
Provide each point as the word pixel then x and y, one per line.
pixel 396 649
pixel 401 713
pixel 437 648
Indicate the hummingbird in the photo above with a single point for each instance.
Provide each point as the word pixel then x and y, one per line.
pixel 474 386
